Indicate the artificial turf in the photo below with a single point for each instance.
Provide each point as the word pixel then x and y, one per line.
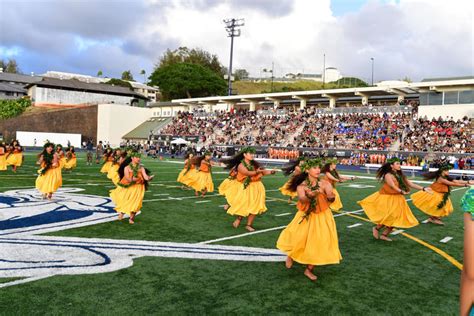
pixel 374 277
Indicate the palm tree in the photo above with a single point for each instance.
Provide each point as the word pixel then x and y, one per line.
pixel 143 72
pixel 99 73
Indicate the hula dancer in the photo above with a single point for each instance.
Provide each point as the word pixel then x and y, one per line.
pixel 294 168
pixel 184 175
pixel 228 184
pixel 3 157
pixel 332 176
pixel 61 155
pixel 49 176
pixel 388 208
pixel 119 157
pixel 15 155
pixel 438 204
pixel 467 274
pixel 71 160
pixel 108 159
pixel 248 198
pixel 311 237
pixel 203 182
pixel 128 196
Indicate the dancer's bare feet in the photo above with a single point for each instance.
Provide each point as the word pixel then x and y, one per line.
pixel 375 232
pixel 288 262
pixel 435 221
pixel 120 216
pixel 226 207
pixel 310 275
pixel 249 228
pixel 236 223
pixel 50 196
pixel 384 237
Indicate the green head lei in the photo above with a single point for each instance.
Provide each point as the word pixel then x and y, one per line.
pixel 317 162
pixel 249 150
pixel 59 146
pixel 446 166
pixel 330 161
pixel 135 154
pixel 393 160
pixel 207 153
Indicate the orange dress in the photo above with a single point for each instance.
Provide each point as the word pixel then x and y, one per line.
pixel 388 207
pixel 428 203
pixel 203 180
pixel 128 197
pixel 246 201
pixel 312 240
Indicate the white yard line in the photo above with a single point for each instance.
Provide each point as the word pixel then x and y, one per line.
pixel 396 232
pixel 283 214
pixel 446 239
pixel 354 225
pixel 202 201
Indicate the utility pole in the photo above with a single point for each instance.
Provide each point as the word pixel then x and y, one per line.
pixel 372 59
pixel 324 69
pixel 232 28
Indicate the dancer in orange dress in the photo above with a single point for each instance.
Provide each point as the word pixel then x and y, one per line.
pixel 3 157
pixel 311 237
pixel 293 169
pixel 15 155
pixel 388 208
pixel 203 182
pixel 332 176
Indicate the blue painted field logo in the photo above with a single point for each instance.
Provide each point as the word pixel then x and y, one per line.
pixel 27 255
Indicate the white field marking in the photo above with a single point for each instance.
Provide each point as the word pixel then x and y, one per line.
pixel 425 221
pixel 261 231
pixel 354 225
pixel 160 194
pixel 222 205
pixel 26 280
pixel 202 201
pixel 396 232
pixel 180 198
pixel 360 186
pixel 446 239
pixel 283 214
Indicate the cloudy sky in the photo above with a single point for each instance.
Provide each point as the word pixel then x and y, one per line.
pixel 413 38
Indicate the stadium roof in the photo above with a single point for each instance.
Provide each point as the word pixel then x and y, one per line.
pixel 75 84
pixel 390 88
pixel 10 77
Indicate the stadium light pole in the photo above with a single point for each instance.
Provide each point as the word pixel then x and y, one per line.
pixel 324 69
pixel 232 28
pixel 372 59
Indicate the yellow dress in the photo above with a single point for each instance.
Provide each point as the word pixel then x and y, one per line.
pixel 106 166
pixel 50 181
pixel 3 162
pixel 312 240
pixel 128 199
pixel 284 190
pixel 190 177
pixel 70 163
pixel 113 174
pixel 337 204
pixel 182 175
pixel 62 161
pixel 203 179
pixel 15 158
pixel 388 207
pixel 246 201
pixel 228 183
pixel 428 203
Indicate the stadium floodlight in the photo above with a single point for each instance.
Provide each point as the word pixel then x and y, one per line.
pixel 232 28
pixel 372 59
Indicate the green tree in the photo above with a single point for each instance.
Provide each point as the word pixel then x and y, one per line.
pixel 10 66
pixel 187 80
pixel 12 108
pixel 143 73
pixel 192 56
pixel 240 74
pixel 100 73
pixel 127 75
pixel 120 83
pixel 349 82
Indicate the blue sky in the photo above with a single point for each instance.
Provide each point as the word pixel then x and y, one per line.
pixel 407 38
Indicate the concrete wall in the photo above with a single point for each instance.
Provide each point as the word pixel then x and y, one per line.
pixel 116 120
pixel 75 121
pixel 42 95
pixel 457 111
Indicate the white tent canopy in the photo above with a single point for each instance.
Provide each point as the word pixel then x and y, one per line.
pixel 179 141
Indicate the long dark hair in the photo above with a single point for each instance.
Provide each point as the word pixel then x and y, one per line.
pixel 327 168
pixel 296 180
pixel 435 175
pixel 197 161
pixel 387 168
pixel 290 167
pixel 124 164
pixel 235 160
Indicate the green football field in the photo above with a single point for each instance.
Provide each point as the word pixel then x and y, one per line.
pixel 404 277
